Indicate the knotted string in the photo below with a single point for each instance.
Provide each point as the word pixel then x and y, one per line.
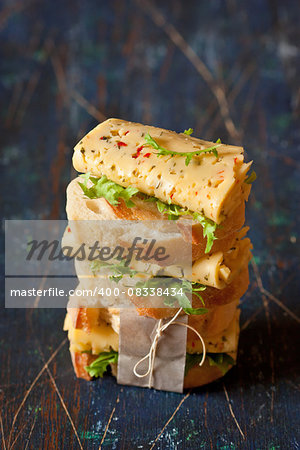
pixel 152 352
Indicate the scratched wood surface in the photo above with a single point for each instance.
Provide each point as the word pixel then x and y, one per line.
pixel 229 69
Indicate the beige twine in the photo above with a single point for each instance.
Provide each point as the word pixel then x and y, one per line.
pixel 152 352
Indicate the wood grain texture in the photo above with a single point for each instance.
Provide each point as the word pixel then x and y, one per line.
pixel 228 69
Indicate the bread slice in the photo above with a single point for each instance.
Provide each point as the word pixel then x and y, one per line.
pixel 81 208
pixel 199 376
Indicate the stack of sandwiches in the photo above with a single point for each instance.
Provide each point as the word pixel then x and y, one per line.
pixel 195 191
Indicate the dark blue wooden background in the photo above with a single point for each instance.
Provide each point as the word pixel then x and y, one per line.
pixel 227 68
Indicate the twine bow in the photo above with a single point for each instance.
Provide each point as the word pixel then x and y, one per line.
pixel 152 352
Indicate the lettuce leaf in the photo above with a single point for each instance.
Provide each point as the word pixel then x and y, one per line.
pixel 98 367
pixel 252 177
pixel 112 192
pixel 221 360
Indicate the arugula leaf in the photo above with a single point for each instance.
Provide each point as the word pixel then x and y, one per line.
pixel 188 132
pixel 167 283
pixel 181 287
pixel 192 360
pixel 98 367
pixel 150 141
pixel 221 360
pixel 188 155
pixel 174 212
pixel 252 177
pixel 195 311
pixel 209 228
pixel 103 187
pixel 119 269
pixel 193 288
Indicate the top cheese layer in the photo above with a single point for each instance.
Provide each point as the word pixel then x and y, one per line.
pixel 208 185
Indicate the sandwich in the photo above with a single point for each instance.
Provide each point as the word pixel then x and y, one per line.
pixel 188 193
pixel 94 343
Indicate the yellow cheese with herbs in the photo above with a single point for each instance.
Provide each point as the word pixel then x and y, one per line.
pixel 102 338
pixel 210 185
pixel 224 342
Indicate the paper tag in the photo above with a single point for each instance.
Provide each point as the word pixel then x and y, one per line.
pixel 135 339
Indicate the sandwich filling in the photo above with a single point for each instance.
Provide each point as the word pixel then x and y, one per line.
pixel 102 342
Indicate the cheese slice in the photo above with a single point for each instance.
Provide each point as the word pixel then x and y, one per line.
pixel 208 185
pixel 101 338
pixel 216 270
pixel 224 342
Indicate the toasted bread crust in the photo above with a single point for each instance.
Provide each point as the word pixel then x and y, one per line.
pixel 199 376
pixel 80 318
pixel 217 297
pixel 211 296
pixel 80 361
pixel 155 313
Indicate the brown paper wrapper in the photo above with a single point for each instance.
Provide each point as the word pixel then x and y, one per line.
pixel 135 339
